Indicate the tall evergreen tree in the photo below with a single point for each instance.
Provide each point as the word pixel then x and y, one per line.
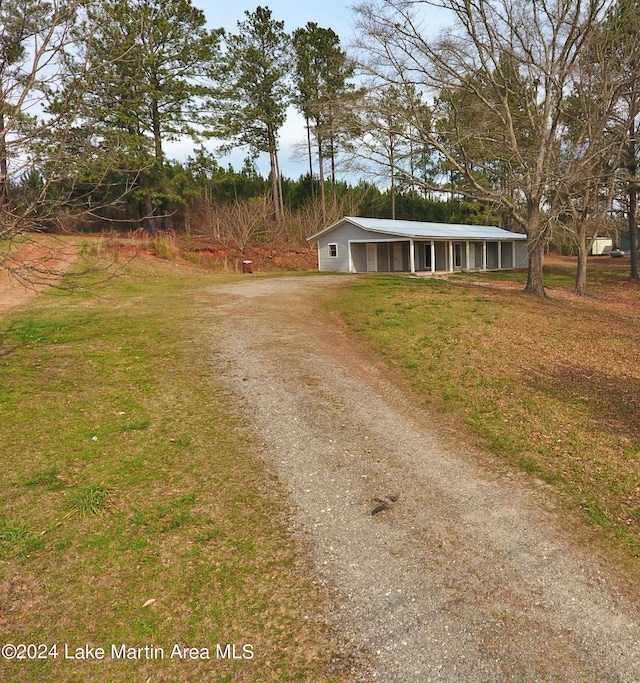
pixel 154 91
pixel 322 71
pixel 252 102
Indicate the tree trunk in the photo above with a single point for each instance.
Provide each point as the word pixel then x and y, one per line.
pixel 535 280
pixel 279 185
pixel 274 187
pixel 633 233
pixel 536 243
pixel 333 174
pixel 393 180
pixel 393 196
pixel 581 272
pixel 149 218
pixel 4 167
pixel 323 199
pixel 157 135
pixel 313 189
pixel 275 191
pixel 632 215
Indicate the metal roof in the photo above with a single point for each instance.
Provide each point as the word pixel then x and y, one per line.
pixel 420 230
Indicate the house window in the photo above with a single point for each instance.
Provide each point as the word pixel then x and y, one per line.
pixel 333 251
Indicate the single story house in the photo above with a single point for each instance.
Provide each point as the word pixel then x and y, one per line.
pixel 361 245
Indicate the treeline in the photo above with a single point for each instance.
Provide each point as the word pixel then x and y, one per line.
pixel 91 92
pixel 209 199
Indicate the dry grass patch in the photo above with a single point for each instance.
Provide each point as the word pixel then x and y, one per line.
pixel 551 385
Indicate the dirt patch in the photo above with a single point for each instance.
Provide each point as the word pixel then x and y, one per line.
pixel 32 267
pixel 264 258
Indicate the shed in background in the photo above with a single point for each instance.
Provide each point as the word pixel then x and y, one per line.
pixel 601 246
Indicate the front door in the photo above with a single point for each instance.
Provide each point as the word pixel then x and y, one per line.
pixel 397 256
pixel 457 255
pixel 372 257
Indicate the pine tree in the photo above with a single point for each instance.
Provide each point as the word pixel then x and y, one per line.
pixel 322 71
pixel 149 65
pixel 252 102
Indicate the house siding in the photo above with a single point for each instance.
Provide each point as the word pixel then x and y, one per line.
pixel 341 236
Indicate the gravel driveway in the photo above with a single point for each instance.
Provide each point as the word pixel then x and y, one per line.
pixel 447 567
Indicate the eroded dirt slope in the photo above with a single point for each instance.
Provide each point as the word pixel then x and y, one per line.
pixel 32 268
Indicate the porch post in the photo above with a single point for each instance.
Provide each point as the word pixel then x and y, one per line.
pixel 466 263
pixel 433 256
pixel 412 256
pixel 499 255
pixel 450 256
pixel 484 255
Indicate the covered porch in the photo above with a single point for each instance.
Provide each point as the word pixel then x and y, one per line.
pixel 430 256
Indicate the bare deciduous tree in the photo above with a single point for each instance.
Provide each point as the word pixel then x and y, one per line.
pixel 238 223
pixel 514 60
pixel 592 149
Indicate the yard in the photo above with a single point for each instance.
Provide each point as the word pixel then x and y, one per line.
pixel 134 509
pixel 138 514
pixel 552 386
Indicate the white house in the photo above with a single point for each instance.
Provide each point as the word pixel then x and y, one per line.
pixel 360 245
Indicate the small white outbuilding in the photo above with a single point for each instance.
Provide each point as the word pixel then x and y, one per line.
pixel 360 245
pixel 601 246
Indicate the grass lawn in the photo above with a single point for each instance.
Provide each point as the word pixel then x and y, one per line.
pixel 133 511
pixel 552 386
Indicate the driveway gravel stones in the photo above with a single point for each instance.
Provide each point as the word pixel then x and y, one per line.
pixel 445 566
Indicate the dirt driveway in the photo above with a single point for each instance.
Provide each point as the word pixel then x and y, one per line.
pixel 463 573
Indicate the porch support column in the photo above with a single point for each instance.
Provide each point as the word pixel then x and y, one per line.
pixel 499 255
pixel 433 256
pixel 484 255
pixel 412 256
pixel 450 257
pixel 513 254
pixel 466 263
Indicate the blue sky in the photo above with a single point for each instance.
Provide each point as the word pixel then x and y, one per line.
pixel 335 14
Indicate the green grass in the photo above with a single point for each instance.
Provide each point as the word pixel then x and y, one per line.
pixel 16 539
pixel 134 508
pixel 89 499
pixel 49 478
pixel 550 386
